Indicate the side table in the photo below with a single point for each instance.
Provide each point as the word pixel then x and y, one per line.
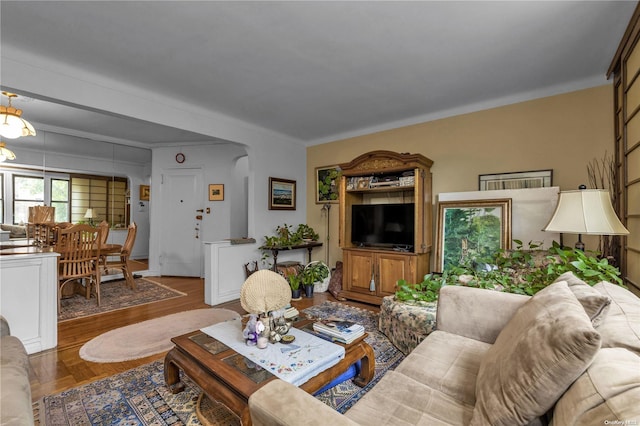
pixel 276 249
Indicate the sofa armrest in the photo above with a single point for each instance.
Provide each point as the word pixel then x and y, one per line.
pixel 476 313
pixel 4 327
pixel 281 403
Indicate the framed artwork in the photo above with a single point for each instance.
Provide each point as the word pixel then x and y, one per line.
pixel 516 180
pixel 282 194
pixel 471 230
pixel 327 184
pixel 145 191
pixel 216 192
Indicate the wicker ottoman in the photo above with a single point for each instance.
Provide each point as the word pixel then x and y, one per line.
pixel 406 325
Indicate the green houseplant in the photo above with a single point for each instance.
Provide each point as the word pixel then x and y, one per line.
pixel 294 282
pixel 285 236
pixel 514 271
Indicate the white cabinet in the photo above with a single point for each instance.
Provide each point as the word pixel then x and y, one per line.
pixel 28 298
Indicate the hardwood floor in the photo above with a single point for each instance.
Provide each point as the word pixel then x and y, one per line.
pixel 62 368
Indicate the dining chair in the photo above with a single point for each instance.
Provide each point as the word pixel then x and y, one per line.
pixel 79 259
pixel 40 225
pixel 104 235
pixel 123 262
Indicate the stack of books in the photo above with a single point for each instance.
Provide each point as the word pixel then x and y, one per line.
pixel 291 312
pixel 339 331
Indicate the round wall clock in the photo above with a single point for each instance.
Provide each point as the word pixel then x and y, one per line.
pixel 180 157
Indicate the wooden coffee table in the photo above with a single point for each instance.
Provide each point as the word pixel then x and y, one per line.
pixel 230 378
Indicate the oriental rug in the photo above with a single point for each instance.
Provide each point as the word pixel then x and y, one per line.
pixel 139 396
pixel 116 295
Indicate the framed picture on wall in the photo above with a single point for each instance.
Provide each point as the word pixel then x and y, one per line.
pixel 282 194
pixel 216 192
pixel 327 184
pixel 145 192
pixel 471 230
pixel 516 180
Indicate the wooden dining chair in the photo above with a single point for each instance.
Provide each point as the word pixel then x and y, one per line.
pixel 123 262
pixel 79 258
pixel 104 235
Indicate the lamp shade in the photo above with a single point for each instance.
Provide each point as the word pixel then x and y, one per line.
pixel 586 211
pixel 12 125
pixel 89 214
pixel 5 153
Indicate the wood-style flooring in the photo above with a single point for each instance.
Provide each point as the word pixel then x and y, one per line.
pixel 62 368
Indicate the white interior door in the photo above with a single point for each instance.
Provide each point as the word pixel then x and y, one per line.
pixel 180 246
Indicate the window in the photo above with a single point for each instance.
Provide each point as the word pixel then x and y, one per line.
pixel 28 191
pixel 60 199
pixel 70 194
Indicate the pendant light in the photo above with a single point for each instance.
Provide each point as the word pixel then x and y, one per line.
pixel 12 125
pixel 5 153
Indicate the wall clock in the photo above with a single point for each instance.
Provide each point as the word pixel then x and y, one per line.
pixel 180 157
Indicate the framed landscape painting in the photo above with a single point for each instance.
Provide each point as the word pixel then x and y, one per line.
pixel 470 231
pixel 282 194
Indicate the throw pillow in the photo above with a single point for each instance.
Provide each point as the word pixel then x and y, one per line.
pixel 595 304
pixel 607 393
pixel 335 284
pixel 621 326
pixel 546 345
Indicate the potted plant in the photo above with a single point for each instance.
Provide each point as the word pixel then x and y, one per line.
pixel 315 273
pixel 307 233
pixel 307 282
pixel 294 283
pixel 287 237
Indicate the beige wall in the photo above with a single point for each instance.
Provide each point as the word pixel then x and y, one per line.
pixel 562 133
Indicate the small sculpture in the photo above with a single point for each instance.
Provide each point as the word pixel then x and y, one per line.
pixel 250 332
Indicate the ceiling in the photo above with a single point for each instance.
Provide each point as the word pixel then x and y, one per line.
pixel 315 71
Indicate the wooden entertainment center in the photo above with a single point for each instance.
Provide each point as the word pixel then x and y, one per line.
pixel 376 178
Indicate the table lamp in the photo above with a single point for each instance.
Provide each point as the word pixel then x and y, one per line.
pixel 585 211
pixel 89 215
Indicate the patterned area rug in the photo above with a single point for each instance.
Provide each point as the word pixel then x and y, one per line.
pixel 115 295
pixel 344 395
pixel 139 397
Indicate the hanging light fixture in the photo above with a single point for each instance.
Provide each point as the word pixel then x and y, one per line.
pixel 12 125
pixel 6 153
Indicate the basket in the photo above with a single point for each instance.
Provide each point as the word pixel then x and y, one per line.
pixel 323 285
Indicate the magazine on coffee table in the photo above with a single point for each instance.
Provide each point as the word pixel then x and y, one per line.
pixel 339 330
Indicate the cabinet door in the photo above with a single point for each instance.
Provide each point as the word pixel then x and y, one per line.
pixel 359 270
pixel 391 268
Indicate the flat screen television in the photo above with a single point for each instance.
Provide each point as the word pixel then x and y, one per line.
pixel 383 225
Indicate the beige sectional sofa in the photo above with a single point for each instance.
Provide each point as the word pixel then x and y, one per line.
pixel 570 355
pixel 15 391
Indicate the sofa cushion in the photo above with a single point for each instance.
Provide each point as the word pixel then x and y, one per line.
pixel 398 400
pixel 595 304
pixel 546 345
pixel 607 393
pixel 621 327
pixel 453 362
